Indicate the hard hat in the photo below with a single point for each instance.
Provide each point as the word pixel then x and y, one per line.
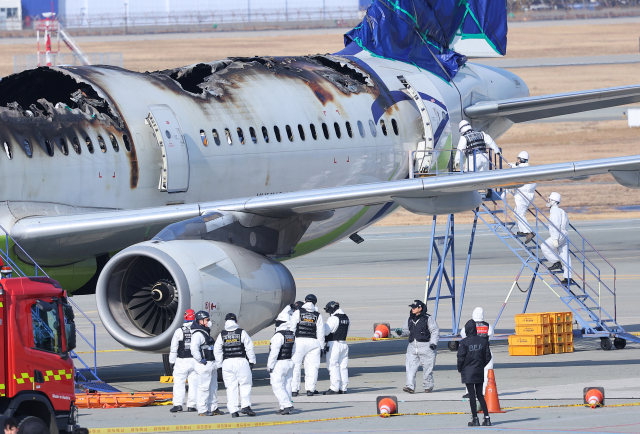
pixel 524 155
pixel 555 196
pixel 189 315
pixel 231 317
pixel 202 315
pixel 332 306
pixel 463 125
pixel 311 298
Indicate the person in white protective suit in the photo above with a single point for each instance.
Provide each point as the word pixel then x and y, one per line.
pixel 485 330
pixel 474 145
pixel 336 329
pixel 205 365
pixel 424 334
pixel 279 364
pixel 557 245
pixel 523 197
pixel 235 348
pixel 183 365
pixel 308 325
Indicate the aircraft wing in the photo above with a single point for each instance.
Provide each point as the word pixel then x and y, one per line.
pixel 547 106
pixel 96 233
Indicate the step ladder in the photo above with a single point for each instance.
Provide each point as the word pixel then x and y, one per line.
pixel 86 377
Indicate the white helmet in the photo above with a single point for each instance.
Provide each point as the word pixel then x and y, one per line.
pixel 464 126
pixel 524 155
pixel 555 196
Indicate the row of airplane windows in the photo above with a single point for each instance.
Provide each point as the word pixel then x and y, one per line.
pixel 64 146
pixel 301 132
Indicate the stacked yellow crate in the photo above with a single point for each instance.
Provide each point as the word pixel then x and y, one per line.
pixel 532 335
pixel 561 327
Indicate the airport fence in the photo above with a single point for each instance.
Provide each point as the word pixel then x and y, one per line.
pixel 30 61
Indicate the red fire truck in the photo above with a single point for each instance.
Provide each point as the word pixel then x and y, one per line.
pixel 37 333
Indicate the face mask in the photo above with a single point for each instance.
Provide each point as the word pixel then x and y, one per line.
pixel 518 162
pixel 551 203
pixel 209 324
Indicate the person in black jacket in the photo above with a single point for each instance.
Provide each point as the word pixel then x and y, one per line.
pixel 473 356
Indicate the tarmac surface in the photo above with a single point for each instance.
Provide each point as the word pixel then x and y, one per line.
pixel 374 282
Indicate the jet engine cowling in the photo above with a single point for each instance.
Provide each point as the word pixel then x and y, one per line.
pixel 143 291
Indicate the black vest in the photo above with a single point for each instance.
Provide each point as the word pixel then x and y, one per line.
pixel 483 329
pixel 184 346
pixel 419 331
pixel 341 332
pixel 206 349
pixel 475 141
pixel 232 346
pixel 286 350
pixel 308 324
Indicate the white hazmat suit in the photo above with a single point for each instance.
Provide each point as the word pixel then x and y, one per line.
pixel 481 158
pixel 281 371
pixel 478 316
pixel 207 375
pixel 307 351
pixel 183 369
pixel 337 356
pixel 236 371
pixel 523 197
pixel 557 245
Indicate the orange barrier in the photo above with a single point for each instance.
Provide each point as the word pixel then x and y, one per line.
pixel 594 396
pixel 381 331
pixel 491 395
pixel 119 400
pixel 387 405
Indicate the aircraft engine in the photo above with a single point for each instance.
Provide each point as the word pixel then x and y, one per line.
pixel 143 291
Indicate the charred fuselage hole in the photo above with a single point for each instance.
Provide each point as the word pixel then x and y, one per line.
pixel 361 129
pixel 27 148
pixel 314 134
pixel 49 146
pixel 349 130
pixel 103 146
pixel 265 134
pixel 372 127
pixel 384 127
pixel 352 73
pixel 325 131
pixel 114 142
pixel 190 79
pixel 127 143
pixel 289 133
pixel 216 137
pixel 7 150
pixel 89 143
pixel 336 127
pixel 394 124
pixel 76 145
pixel 240 135
pixel 228 134
pixel 63 147
pixel 252 133
pixel 276 130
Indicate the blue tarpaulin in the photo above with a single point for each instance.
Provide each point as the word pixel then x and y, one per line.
pixel 38 7
pixel 420 32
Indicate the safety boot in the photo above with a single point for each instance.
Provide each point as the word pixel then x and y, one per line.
pixel 310 393
pixel 176 409
pixel 407 389
pixel 192 409
pixel 486 421
pixel 236 414
pixel 208 413
pixel 342 392
pixel 330 392
pixel 294 393
pixel 474 422
pixel 217 412
pixel 284 411
pixel 556 266
pixel 248 411
pixel 530 236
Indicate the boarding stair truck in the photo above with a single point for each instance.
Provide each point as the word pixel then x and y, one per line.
pixel 37 335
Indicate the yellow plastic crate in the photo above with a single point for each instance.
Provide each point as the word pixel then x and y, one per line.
pixel 568 337
pixel 556 317
pixel 568 327
pixel 557 338
pixel 557 348
pixel 532 319
pixel 538 329
pixel 568 347
pixel 527 340
pixel 526 350
pixel 556 328
pixel 546 349
pixel 568 316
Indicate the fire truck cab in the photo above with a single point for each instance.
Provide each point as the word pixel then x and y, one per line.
pixel 37 333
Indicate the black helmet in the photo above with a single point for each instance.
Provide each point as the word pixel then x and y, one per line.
pixel 311 298
pixel 231 316
pixel 297 305
pixel 202 315
pixel 331 307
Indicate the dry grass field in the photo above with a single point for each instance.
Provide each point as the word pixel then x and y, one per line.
pixel 546 142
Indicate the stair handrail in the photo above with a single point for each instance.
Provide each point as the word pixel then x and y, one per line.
pixel 15 266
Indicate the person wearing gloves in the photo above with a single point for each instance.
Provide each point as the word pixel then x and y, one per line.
pixel 205 365
pixel 474 144
pixel 235 348
pixel 473 355
pixel 423 334
pixel 280 365
pixel 484 330
pixel 183 365
pixel 290 309
pixel 557 245
pixel 523 197
pixel 336 330
pixel 308 326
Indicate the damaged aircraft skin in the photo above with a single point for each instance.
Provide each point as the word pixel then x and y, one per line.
pixel 203 177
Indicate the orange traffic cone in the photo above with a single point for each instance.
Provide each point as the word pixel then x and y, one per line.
pixel 594 396
pixel 491 394
pixel 387 405
pixel 381 331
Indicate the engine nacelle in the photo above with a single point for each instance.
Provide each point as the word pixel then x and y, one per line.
pixel 143 291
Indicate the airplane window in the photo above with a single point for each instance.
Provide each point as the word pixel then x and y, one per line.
pixel 228 134
pixel 265 134
pixel 63 147
pixel 240 135
pixel 252 133
pixel 349 131
pixel 289 133
pixel 277 131
pixel 114 142
pixel 76 145
pixel 361 129
pixel 89 144
pixel 301 131
pixel 394 124
pixel 337 128
pixel 49 147
pixel 384 127
pixel 216 138
pixel 127 143
pixel 7 150
pixel 325 130
pixel 103 147
pixel 27 149
pixel 372 127
pixel 314 134
pixel 203 137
